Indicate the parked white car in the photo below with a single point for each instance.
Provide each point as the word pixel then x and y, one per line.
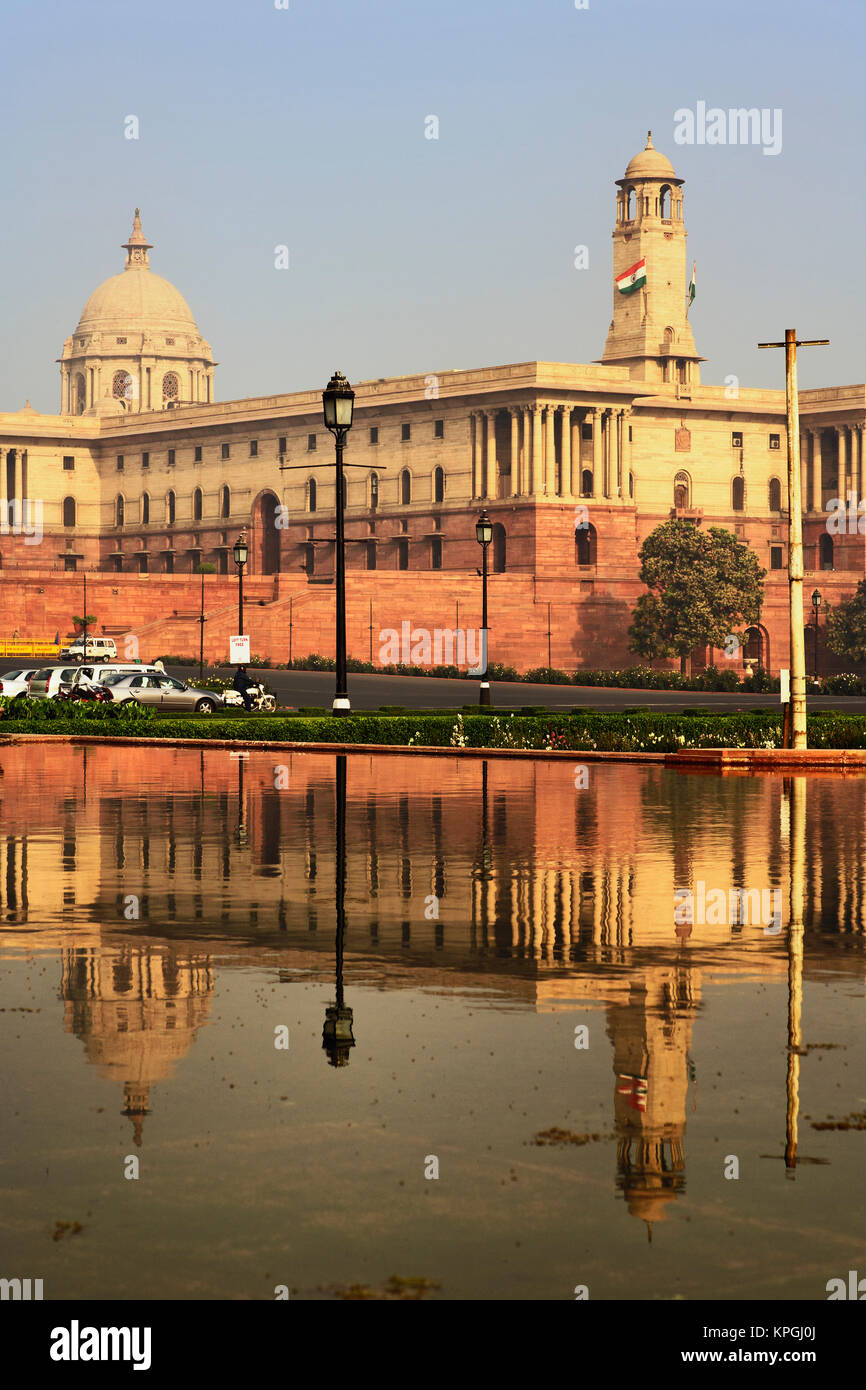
pixel 98 649
pixel 16 682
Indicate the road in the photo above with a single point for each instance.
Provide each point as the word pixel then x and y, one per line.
pixel 316 688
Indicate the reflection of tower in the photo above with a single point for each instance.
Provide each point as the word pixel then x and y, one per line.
pixel 337 1036
pixel 651 1036
pixel 137 1011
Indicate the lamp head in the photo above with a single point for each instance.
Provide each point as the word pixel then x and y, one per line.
pixel 338 400
pixel 240 550
pixel 484 529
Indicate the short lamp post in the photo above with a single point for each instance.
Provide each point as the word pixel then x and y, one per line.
pixel 240 553
pixel 484 535
pixel 338 400
pixel 816 605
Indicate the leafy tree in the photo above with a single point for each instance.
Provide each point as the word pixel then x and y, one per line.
pixel 703 586
pixel 846 626
pixel 89 620
pixel 205 567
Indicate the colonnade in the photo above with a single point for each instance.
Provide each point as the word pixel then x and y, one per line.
pixel 849 453
pixel 13 485
pixel 528 462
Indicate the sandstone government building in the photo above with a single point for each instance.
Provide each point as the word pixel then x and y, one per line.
pixel 143 475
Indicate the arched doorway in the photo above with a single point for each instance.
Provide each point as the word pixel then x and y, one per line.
pixel 756 648
pixel 265 548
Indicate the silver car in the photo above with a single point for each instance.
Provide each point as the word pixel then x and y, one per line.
pixel 164 692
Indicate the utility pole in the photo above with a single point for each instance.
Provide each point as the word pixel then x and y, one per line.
pixel 795 534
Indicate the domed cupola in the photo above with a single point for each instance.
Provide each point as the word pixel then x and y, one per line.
pixel 136 342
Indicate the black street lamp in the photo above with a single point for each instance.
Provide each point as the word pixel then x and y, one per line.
pixel 484 535
pixel 338 400
pixel 240 553
pixel 816 605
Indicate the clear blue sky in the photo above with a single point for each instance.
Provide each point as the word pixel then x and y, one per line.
pixel 306 127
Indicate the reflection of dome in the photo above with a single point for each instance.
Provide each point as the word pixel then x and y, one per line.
pixel 650 163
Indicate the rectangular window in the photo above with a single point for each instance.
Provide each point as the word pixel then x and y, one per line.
pixel 311 443
pixel 775 441
pixel 281 446
pixel 374 434
pixel 737 440
pixel 171 458
pixel 120 340
pixel 775 557
pixel 439 429
pixel 145 460
pixel 120 463
pixel 226 452
pixel 68 463
pixel 197 455
pixel 586 431
pixel 254 448
pixel 405 432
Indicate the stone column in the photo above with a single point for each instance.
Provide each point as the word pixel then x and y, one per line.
pixel 618 433
pixel 566 490
pixel 537 451
pixel 574 451
pixel 474 455
pixel 549 452
pixel 490 488
pixel 626 450
pixel 515 452
pixel 857 461
pixel 817 483
pixel 597 452
pixel 843 477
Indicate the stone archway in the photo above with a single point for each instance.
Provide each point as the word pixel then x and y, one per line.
pixel 265 537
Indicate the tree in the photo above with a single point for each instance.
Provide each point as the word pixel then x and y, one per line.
pixel 846 626
pixel 89 620
pixel 205 567
pixel 703 587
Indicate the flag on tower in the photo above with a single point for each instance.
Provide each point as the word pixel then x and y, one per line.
pixel 692 287
pixel 632 279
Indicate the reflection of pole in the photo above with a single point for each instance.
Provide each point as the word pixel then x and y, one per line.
pixel 337 1036
pixel 201 633
pixel 797 803
pixel 291 625
pixel 242 829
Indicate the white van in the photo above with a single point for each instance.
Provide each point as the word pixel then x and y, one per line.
pixel 98 649
pixel 47 682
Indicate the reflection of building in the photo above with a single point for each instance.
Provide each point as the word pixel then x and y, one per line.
pixel 651 1035
pixel 137 1011
pixel 143 473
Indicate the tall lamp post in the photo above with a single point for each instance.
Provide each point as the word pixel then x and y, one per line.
pixel 338 400
pixel 484 535
pixel 816 605
pixel 240 553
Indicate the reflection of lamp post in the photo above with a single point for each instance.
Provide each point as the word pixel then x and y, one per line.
pixel 816 605
pixel 484 535
pixel 338 400
pixel 242 827
pixel 797 833
pixel 337 1037
pixel 240 553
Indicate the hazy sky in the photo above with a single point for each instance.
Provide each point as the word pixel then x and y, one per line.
pixel 306 127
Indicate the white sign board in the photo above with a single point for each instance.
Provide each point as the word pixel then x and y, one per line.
pixel 784 686
pixel 239 651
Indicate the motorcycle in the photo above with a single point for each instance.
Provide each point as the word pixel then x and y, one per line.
pixel 259 699
pixel 84 694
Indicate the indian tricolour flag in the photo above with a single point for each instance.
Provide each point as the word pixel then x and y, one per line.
pixel 691 294
pixel 632 279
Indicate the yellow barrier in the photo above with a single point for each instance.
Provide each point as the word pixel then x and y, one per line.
pixel 29 649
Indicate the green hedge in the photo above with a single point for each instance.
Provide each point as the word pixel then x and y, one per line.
pixel 578 732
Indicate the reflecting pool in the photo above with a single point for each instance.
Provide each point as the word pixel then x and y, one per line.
pixel 397 1026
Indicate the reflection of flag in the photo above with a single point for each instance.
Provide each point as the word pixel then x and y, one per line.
pixel 635 1088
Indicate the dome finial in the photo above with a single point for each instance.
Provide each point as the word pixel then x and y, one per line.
pixel 649 144
pixel 138 246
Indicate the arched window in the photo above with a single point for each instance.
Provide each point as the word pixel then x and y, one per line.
pixel 170 508
pixel 118 510
pixel 69 511
pixel 170 387
pixel 669 336
pixel 405 487
pixel 374 493
pixel 311 494
pixel 439 485
pixel 738 494
pixel 682 491
pixel 775 495
pixel 825 551
pixel 665 201
pixel 753 646
pixel 225 500
pixel 196 504
pixel 121 385
pixel 145 509
pixel 80 394
pixel 586 483
pixel 499 545
pixel 629 204
pixel 585 545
